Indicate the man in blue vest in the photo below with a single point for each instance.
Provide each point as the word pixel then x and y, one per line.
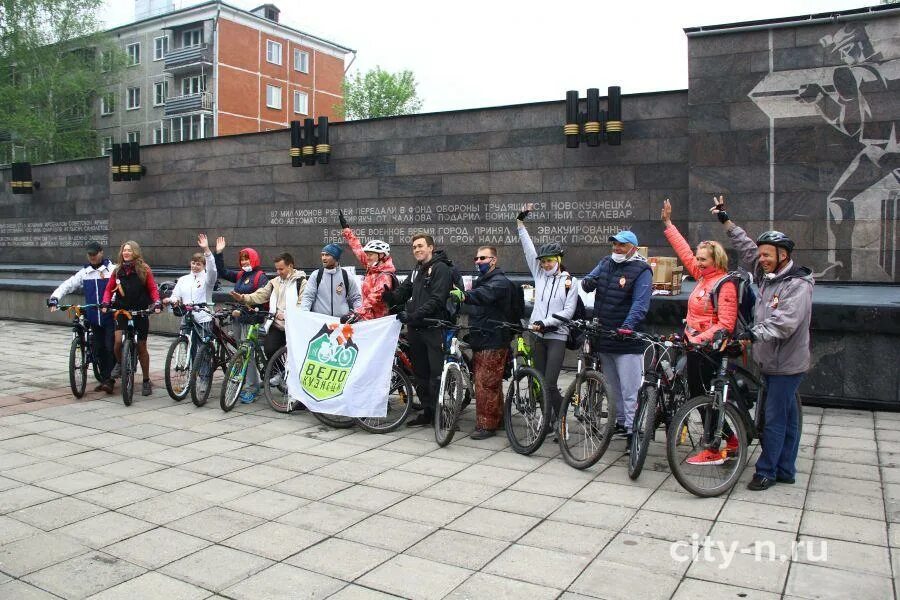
pixel 623 283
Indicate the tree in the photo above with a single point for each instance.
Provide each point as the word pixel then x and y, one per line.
pixel 54 63
pixel 379 93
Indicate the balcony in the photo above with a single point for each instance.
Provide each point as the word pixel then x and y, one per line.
pixel 190 103
pixel 181 60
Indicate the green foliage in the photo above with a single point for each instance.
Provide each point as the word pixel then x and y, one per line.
pixel 379 93
pixel 50 77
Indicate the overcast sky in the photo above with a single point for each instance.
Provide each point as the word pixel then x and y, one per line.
pixel 470 54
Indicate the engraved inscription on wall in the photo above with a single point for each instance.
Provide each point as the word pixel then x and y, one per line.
pixel 61 234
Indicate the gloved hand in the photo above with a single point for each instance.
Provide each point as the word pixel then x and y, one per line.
pixel 342 220
pixel 747 335
pixel 722 216
pixel 624 332
pixel 522 215
pixel 157 307
pixel 104 306
pixel 538 326
pixel 51 302
pixel 403 316
pixel 387 294
pixel 350 317
pixel 457 295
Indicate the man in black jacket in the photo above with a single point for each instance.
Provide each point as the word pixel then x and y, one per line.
pixel 489 301
pixel 425 293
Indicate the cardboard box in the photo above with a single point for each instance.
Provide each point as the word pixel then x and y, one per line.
pixel 663 267
pixel 644 251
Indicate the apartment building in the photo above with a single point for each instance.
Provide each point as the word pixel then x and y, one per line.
pixel 213 69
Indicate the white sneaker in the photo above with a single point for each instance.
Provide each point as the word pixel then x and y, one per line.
pixel 276 380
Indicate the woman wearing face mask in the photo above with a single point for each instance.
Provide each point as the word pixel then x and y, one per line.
pixel 247 279
pixel 707 267
pixel 555 291
pixel 375 256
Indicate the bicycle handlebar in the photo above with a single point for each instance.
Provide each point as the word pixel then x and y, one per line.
pixel 511 326
pixel 442 323
pixel 131 313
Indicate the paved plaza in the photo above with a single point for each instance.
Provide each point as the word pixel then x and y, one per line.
pixel 167 500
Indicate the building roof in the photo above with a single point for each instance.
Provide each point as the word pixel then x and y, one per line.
pixel 243 12
pixel 796 21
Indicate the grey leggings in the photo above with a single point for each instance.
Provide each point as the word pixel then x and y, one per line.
pixel 548 358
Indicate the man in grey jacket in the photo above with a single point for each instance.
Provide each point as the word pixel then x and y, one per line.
pixel 780 338
pixel 331 290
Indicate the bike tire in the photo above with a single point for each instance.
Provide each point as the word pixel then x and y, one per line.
pixel 77 367
pixel 643 430
pixel 526 412
pixel 584 435
pixel 128 367
pixel 334 421
pixel 234 380
pixel 201 375
pixel 449 405
pixel 178 369
pixel 399 404
pixel 277 395
pixel 95 367
pixel 684 439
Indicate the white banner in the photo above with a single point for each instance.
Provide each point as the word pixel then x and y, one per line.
pixel 340 369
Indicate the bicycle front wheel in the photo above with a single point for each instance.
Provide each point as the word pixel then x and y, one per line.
pixel 399 403
pixel 526 412
pixel 77 367
pixel 178 369
pixel 643 430
pixel 202 374
pixel 129 363
pixel 335 421
pixel 587 420
pixel 234 379
pixel 702 461
pixel 449 405
pixel 275 382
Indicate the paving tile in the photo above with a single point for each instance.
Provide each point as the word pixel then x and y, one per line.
pixel 215 524
pixel 57 513
pixel 525 503
pixel 842 527
pixel 362 497
pixel 32 553
pixel 492 587
pixel 323 517
pixel 494 524
pixel 665 526
pixel 118 494
pixel 157 547
pixel 401 481
pixel 843 555
pixel 540 566
pixel 429 511
pixel 165 508
pixel 259 475
pixel 611 493
pixel 310 487
pixel 652 554
pixel 383 458
pixel 576 540
pixel 84 575
pixel 24 496
pixel 105 529
pixel 274 540
pixel 761 515
pixel 461 491
pixel 458 549
pixel 691 589
pixel 216 466
pixel 358 592
pixel 169 479
pixel 217 490
pixel 431 581
pixel 593 514
pixel 386 532
pixel 834 502
pixel 272 583
pixel 130 468
pixel 151 586
pixel 216 567
pixel 22 591
pixel 437 467
pixel 355 559
pixel 267 504
pixel 487 475
pixel 39 471
pixel 58 449
pixel 823 583
pixel 15 529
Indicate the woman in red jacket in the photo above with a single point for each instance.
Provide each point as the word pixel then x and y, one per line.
pixel 375 256
pixel 707 267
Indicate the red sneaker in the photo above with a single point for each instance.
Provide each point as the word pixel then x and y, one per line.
pixel 706 457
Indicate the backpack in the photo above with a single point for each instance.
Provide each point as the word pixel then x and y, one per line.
pixel 395 283
pixel 259 273
pixel 575 338
pixel 456 281
pixel 319 275
pixel 515 310
pixel 746 297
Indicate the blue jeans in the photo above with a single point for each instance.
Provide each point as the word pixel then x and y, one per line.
pixel 781 437
pixel 624 374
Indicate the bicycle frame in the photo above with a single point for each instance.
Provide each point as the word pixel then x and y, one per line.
pixel 453 359
pixel 254 350
pixel 723 390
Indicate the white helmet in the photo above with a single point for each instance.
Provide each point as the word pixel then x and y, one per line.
pixel 377 246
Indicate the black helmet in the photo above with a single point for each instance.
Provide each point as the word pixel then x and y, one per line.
pixel 777 239
pixel 551 249
pixel 166 288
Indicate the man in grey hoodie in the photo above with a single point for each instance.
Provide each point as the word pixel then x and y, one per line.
pixel 780 338
pixel 331 290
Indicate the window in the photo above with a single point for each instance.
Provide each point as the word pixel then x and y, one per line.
pixel 273 96
pixel 105 61
pixel 108 103
pixel 160 47
pixel 160 135
pixel 134 98
pixel 301 103
pixel 301 61
pixel 160 92
pixel 106 146
pixel 134 136
pixel 273 52
pixel 191 127
pixel 134 54
pixel 193 85
pixel 193 37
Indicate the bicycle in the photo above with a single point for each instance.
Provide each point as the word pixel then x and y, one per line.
pixel 587 417
pixel 129 350
pixel 399 398
pixel 455 390
pixel 179 358
pixel 526 410
pixel 213 353
pixel 662 392
pixel 81 349
pixel 249 354
pixel 704 422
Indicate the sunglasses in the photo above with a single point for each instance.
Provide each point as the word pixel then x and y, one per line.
pixel 477 258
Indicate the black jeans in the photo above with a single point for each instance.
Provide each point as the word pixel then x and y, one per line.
pixel 426 352
pixel 102 348
pixel 273 342
pixel 700 372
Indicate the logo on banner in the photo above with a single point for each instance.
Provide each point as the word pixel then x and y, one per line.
pixel 330 356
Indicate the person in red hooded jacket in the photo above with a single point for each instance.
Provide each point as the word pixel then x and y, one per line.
pixel 249 278
pixel 375 256
pixel 707 267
